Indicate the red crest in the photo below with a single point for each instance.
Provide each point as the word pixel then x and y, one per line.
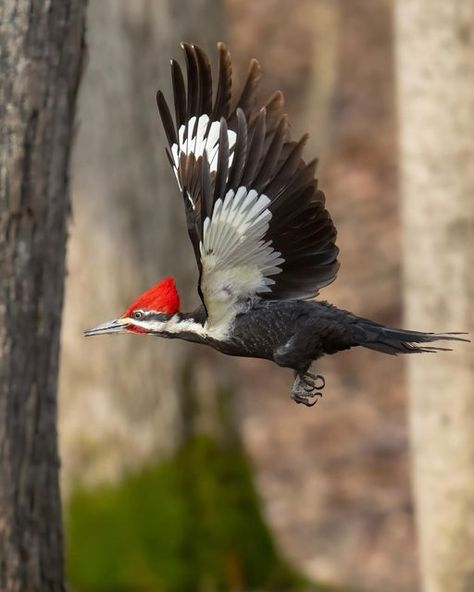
pixel 163 297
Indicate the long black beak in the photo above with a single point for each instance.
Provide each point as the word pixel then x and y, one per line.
pixel 116 326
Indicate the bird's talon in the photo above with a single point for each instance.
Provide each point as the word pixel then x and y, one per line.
pixel 304 401
pixel 323 381
pixel 307 387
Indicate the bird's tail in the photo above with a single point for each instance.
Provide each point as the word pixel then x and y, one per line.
pixel 399 341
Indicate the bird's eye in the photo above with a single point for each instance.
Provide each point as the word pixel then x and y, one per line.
pixel 138 314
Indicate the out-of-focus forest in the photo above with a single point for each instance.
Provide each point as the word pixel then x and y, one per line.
pixel 335 477
pixel 183 470
pixel 333 482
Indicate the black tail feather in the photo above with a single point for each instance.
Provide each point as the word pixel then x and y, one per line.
pixel 398 341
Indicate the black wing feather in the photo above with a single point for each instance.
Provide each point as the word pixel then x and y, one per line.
pixel 240 151
pixel 179 93
pixel 222 162
pixel 256 143
pixel 166 119
pixel 205 76
pixel 194 87
pixel 207 201
pixel 248 98
pixel 224 85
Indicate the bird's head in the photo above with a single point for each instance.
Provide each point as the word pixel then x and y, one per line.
pixel 155 311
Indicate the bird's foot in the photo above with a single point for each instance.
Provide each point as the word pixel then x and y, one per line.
pixel 307 388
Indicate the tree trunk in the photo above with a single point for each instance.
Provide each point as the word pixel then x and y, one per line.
pixel 41 46
pixel 435 62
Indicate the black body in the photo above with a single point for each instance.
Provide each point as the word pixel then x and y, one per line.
pixel 294 333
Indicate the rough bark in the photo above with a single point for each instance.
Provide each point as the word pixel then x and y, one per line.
pixel 435 60
pixel 41 46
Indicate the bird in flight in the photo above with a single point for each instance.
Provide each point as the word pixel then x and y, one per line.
pixel 265 245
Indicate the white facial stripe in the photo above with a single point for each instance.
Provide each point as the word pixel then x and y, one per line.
pixel 172 325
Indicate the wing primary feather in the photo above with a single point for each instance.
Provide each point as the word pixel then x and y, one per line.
pixel 274 107
pixel 179 93
pixel 224 84
pixel 304 177
pixel 255 150
pixel 205 77
pixel 248 96
pixel 272 155
pixel 194 229
pixel 222 161
pixel 194 176
pixel 240 151
pixel 286 215
pixel 199 86
pixel 288 167
pixel 166 119
pixel 170 157
pixel 208 195
pixel 193 81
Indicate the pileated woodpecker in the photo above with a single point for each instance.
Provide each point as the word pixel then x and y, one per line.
pixel 263 240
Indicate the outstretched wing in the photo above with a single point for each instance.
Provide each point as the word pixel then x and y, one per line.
pixel 255 216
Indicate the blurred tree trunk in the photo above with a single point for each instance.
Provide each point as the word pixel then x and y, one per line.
pixel 41 51
pixel 129 231
pixel 326 16
pixel 436 91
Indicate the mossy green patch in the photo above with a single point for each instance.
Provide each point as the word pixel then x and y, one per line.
pixel 190 524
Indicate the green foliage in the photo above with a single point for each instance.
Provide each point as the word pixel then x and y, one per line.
pixel 190 524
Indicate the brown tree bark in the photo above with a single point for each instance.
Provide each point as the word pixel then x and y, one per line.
pixel 435 59
pixel 41 47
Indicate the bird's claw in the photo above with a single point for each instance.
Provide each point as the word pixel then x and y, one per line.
pixel 306 390
pixel 306 398
pixel 311 379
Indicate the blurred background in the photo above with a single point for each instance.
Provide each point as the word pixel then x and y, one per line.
pixel 184 470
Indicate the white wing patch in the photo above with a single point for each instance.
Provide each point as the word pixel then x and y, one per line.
pixel 198 136
pixel 237 262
